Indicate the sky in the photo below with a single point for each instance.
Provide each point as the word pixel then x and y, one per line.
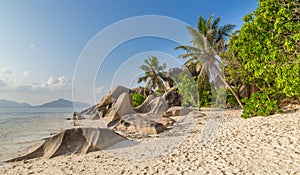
pixel 79 50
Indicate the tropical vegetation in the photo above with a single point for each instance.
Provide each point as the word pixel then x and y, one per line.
pixel 187 88
pixel 209 39
pixel 137 99
pixel 265 54
pixel 262 57
pixel 154 75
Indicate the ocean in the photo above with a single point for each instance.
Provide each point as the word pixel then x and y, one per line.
pixel 20 127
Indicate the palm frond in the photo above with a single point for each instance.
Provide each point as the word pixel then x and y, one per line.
pixel 145 68
pixel 191 60
pixel 180 47
pixel 198 38
pixel 215 24
pixel 209 22
pixel 147 62
pixel 142 79
pixel 185 55
pixel 202 25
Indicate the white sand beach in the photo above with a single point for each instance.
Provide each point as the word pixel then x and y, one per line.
pixel 259 145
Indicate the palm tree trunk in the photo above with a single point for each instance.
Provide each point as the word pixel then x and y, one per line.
pixel 229 87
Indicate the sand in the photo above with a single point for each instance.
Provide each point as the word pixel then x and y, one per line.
pixel 219 143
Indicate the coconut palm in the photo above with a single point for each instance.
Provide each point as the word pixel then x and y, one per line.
pixel 154 74
pixel 208 41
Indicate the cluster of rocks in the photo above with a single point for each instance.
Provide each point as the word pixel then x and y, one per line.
pixel 152 116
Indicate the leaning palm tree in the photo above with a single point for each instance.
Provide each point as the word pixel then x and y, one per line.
pixel 216 35
pixel 208 41
pixel 154 74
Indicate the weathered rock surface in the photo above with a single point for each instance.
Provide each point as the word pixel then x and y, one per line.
pixel 177 111
pixel 71 141
pixel 78 116
pixel 115 109
pixel 144 107
pixel 120 108
pixel 171 74
pixel 123 105
pixel 158 105
pixel 139 122
pixel 91 113
pixel 113 95
pixel 166 121
pixel 173 98
pixel 140 90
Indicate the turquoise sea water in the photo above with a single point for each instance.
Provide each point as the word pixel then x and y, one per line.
pixel 19 127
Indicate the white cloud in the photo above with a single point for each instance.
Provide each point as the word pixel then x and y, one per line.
pixel 6 76
pixel 99 90
pixel 53 83
pixel 14 86
pixel 5 73
pixel 25 73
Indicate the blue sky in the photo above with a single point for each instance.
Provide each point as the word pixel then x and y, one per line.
pixel 42 41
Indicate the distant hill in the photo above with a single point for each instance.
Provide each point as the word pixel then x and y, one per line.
pixel 13 104
pixel 62 103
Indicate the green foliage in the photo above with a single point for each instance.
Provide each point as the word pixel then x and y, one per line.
pixel 204 90
pixel 188 89
pixel 259 104
pixel 209 39
pixel 204 98
pixel 218 97
pixel 231 100
pixel 159 92
pixel 137 99
pixel 265 53
pixel 154 74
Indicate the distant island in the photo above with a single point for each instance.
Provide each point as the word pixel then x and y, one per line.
pixel 13 104
pixel 60 103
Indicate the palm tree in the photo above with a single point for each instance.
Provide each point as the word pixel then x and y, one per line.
pixel 208 41
pixel 216 35
pixel 154 74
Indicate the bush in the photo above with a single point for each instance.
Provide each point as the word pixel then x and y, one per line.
pixel 137 99
pixel 205 98
pixel 265 54
pixel 188 89
pixel 259 104
pixel 231 100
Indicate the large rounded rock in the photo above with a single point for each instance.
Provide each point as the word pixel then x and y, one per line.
pixel 113 95
pixel 71 141
pixel 173 98
pixel 154 105
pixel 144 107
pixel 158 105
pixel 138 122
pixel 177 111
pixel 120 108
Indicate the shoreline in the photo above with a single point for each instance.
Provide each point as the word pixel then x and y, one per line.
pixel 262 145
